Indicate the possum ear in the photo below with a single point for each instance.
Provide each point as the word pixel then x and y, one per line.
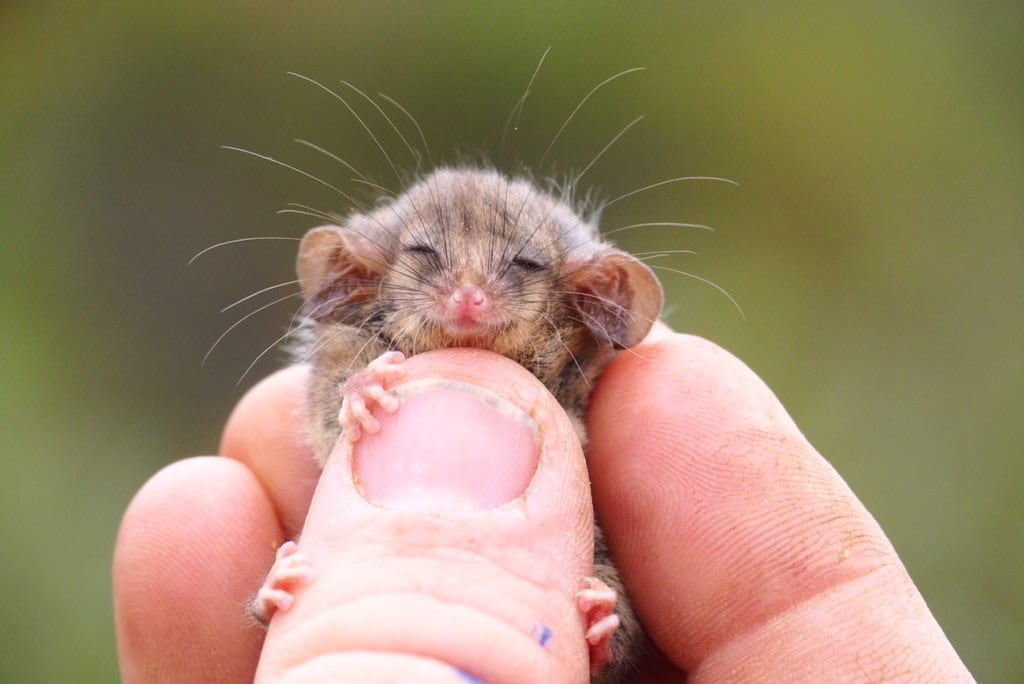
pixel 336 267
pixel 618 296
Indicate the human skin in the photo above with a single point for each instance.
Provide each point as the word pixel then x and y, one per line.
pixel 747 556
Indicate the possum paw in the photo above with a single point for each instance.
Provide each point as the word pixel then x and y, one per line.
pixel 596 602
pixel 365 388
pixel 291 569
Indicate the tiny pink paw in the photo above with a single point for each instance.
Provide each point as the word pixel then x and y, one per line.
pixel 596 602
pixel 291 568
pixel 366 388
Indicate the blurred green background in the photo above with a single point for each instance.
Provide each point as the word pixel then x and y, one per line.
pixel 876 244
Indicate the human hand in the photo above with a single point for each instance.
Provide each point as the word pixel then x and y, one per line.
pixel 453 572
pixel 746 555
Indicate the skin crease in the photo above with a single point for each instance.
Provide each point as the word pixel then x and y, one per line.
pixel 748 557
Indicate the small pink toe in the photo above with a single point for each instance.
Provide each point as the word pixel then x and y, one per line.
pixel 291 569
pixel 366 388
pixel 596 603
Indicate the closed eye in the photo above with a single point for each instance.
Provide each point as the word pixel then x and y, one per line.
pixel 421 249
pixel 528 265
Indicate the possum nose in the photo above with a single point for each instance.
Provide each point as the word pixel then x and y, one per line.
pixel 468 302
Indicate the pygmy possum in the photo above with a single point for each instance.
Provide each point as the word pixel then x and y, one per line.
pixel 469 257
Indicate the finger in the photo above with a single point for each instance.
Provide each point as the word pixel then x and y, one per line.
pixel 193 546
pixel 266 433
pixel 746 553
pixel 453 541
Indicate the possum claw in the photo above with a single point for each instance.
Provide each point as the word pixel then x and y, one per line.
pixel 596 602
pixel 291 568
pixel 364 389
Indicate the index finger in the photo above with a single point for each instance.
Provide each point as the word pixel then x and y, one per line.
pixel 746 554
pixel 266 432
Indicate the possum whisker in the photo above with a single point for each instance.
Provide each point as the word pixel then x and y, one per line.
pixel 336 332
pixel 656 224
pixel 412 150
pixel 405 268
pixel 434 204
pixel 517 110
pixel 331 155
pixel 259 292
pixel 333 218
pixel 232 242
pixel 644 256
pixel 415 123
pixel 634 352
pixel 243 319
pixel 362 123
pixel 322 341
pixel 359 353
pixel 438 209
pixel 373 185
pixel 326 339
pixel 611 305
pixel 541 221
pixel 624 350
pixel 580 105
pixel 666 182
pixel 561 341
pixel 336 303
pixel 309 211
pixel 505 228
pixel 288 333
pixel 298 171
pixel 706 282
pixel 519 213
pixel 590 322
pixel 605 149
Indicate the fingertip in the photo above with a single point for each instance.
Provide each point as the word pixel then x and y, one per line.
pixel 266 433
pixel 468 429
pixel 193 544
pixel 714 385
pixel 697 465
pixel 271 407
pixel 401 551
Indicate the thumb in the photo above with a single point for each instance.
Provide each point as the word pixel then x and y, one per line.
pixel 448 546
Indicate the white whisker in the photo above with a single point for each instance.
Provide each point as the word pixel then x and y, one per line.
pixel 362 123
pixel 580 106
pixel 415 123
pixel 517 110
pixel 233 242
pixel 263 353
pixel 645 256
pixel 297 170
pixel 656 224
pixel 706 282
pixel 618 135
pixel 306 210
pixel 415 154
pixel 666 182
pixel 241 320
pixel 331 155
pixel 258 293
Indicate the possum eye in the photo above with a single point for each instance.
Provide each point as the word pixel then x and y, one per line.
pixel 528 265
pixel 420 250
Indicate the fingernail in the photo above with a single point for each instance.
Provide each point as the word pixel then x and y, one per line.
pixel 450 445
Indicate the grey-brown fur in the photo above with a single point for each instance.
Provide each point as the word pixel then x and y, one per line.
pixel 563 303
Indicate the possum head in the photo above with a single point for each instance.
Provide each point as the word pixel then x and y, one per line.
pixel 471 258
